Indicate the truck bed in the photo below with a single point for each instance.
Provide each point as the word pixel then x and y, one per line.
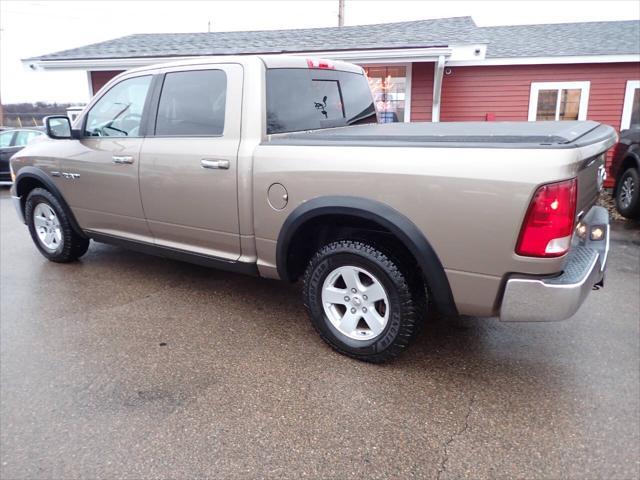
pixel 564 134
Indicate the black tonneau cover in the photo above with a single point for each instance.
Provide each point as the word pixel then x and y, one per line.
pixel 565 134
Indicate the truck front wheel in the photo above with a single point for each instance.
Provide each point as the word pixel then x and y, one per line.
pixel 51 229
pixel 361 301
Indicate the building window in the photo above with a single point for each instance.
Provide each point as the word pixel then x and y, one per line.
pixel 558 101
pixel 631 109
pixel 391 88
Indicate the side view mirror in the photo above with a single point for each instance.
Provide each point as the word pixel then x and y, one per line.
pixel 59 127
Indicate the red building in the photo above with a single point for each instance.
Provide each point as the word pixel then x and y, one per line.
pixel 428 70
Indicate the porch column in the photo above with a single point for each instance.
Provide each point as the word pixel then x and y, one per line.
pixel 438 72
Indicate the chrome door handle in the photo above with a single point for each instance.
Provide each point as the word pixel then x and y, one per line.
pixel 219 164
pixel 122 159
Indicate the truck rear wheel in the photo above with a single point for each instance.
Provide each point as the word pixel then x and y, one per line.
pixel 361 301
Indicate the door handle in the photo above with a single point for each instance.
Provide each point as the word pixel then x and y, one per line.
pixel 217 164
pixel 122 159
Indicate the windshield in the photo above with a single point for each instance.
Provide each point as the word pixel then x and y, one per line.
pixel 311 99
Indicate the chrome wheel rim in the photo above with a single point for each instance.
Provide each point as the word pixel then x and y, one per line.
pixel 47 225
pixel 355 302
pixel 626 192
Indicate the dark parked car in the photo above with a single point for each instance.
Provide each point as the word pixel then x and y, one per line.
pixel 625 168
pixel 12 141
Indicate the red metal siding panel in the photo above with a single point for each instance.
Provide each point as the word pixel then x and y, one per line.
pixel 470 93
pixel 473 93
pixel 101 77
pixel 421 91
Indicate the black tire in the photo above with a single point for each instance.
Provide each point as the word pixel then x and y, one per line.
pixel 632 209
pixel 71 246
pixel 406 298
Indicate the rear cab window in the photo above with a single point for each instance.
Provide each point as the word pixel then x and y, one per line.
pixel 311 99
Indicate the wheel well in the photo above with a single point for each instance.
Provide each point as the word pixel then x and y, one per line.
pixel 629 162
pixel 328 228
pixel 34 178
pixel 25 186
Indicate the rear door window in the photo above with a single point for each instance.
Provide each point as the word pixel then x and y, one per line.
pixel 192 104
pixel 311 99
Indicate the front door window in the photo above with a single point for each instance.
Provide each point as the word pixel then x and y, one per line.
pixel 118 113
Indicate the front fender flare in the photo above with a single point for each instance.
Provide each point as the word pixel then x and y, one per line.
pixel 399 225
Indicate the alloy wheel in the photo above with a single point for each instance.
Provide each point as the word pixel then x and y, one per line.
pixel 355 302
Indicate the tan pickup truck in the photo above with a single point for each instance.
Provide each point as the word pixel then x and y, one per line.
pixel 277 166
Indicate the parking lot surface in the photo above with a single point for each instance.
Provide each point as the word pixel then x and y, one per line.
pixel 129 366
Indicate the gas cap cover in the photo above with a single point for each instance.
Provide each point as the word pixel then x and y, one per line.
pixel 277 196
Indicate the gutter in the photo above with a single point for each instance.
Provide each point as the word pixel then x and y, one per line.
pixel 393 55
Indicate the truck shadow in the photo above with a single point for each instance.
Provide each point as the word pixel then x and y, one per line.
pixel 443 343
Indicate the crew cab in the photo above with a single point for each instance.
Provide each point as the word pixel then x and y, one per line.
pixel 277 166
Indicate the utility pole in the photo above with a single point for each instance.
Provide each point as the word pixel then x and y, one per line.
pixel 341 13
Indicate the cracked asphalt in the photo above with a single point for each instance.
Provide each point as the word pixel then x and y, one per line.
pixel 129 366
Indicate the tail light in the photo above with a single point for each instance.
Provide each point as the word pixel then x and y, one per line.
pixel 548 225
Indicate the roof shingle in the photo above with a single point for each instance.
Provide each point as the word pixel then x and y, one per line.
pixel 574 39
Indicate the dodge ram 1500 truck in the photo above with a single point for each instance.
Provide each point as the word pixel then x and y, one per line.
pixel 276 166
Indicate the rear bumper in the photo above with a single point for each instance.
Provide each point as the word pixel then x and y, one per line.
pixel 545 299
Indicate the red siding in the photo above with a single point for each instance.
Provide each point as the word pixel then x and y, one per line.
pixel 101 77
pixel 421 92
pixel 470 93
pixel 502 92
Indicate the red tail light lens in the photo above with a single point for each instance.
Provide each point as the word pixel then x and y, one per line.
pixel 548 225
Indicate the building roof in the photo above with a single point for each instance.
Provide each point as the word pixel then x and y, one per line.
pixel 568 39
pixel 424 33
pixel 563 39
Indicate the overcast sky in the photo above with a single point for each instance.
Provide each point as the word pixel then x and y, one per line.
pixel 31 28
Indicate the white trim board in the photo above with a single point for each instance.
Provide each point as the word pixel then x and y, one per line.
pixel 455 56
pixel 628 58
pixel 395 55
pixel 625 121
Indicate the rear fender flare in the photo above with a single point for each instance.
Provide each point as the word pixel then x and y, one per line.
pixel 399 225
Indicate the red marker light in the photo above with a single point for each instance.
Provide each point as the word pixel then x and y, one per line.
pixel 323 64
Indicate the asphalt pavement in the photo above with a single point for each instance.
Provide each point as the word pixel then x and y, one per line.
pixel 123 365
